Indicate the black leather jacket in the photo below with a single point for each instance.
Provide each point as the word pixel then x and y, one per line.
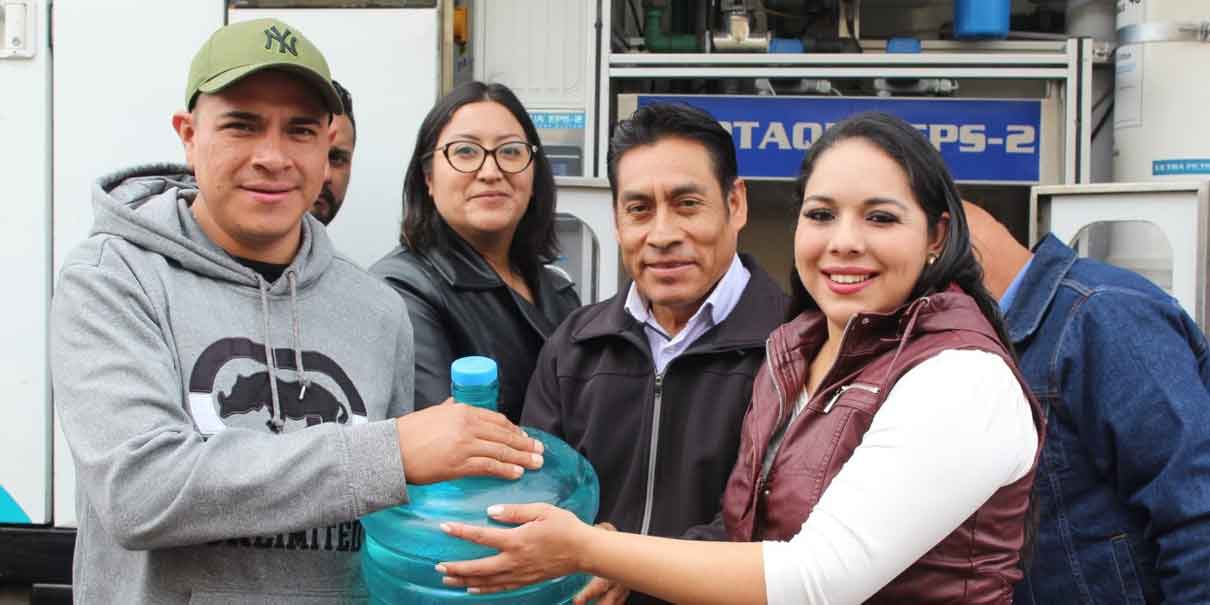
pixel 459 306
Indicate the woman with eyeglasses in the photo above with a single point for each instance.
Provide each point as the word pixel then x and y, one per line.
pixel 478 230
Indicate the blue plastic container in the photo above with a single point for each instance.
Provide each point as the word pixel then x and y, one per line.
pixel 981 19
pixel 786 46
pixel 405 543
pixel 903 45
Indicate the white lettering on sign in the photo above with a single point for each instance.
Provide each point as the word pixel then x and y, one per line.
pixel 745 133
pixel 1021 139
pixel 804 133
pixel 940 134
pixel 776 135
pixel 970 138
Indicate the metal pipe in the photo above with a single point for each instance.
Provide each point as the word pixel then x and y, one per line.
pixel 739 36
pixel 659 42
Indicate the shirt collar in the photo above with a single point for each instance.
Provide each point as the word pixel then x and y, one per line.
pixel 1010 294
pixel 1049 266
pixel 718 305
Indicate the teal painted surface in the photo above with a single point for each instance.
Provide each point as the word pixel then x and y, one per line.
pixel 10 511
pixel 1188 166
pixel 544 120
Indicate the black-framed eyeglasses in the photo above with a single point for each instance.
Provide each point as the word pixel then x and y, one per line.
pixel 468 156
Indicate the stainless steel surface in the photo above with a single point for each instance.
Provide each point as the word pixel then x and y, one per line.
pixel 1048 58
pixel 580 181
pixel 739 36
pixel 986 73
pixel 1165 32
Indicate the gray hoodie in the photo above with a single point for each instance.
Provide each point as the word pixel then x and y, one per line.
pixel 227 432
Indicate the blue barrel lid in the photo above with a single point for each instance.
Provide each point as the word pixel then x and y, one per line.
pixel 473 371
pixel 786 45
pixel 903 45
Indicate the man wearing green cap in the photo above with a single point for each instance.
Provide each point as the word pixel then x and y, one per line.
pixel 228 383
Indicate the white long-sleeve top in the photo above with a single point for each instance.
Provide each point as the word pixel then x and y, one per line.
pixel 951 432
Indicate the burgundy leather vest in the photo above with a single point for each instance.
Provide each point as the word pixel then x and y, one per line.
pixel 978 561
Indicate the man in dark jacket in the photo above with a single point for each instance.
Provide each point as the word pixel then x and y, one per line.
pixel 652 384
pixel 1123 374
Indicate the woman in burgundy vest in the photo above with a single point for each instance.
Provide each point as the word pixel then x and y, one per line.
pixel 889 450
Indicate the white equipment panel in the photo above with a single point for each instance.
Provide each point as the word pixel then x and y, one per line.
pixel 1180 211
pixel 115 93
pixel 551 68
pixel 556 37
pixel 25 239
pixel 591 201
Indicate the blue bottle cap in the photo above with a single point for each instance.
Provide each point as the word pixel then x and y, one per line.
pixel 473 371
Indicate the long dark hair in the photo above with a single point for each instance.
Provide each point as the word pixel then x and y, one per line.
pixel 934 189
pixel 534 242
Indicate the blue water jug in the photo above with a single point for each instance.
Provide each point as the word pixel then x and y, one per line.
pixel 404 544
pixel 975 19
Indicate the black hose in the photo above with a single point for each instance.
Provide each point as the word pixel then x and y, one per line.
pixel 618 41
pixel 1101 124
pixel 634 14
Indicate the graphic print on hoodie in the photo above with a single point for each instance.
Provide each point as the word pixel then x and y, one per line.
pixel 227 432
pixel 250 396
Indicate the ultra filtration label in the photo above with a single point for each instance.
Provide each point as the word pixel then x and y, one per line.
pixel 981 140
pixel 1180 167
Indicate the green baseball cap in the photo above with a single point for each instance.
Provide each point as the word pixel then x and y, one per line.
pixel 241 49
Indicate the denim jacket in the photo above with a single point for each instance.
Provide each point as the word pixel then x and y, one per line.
pixel 1123 487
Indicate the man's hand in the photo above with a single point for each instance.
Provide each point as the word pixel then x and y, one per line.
pixel 606 592
pixel 547 545
pixel 454 440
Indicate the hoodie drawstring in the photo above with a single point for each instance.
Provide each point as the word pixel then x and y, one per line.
pixel 275 422
pixel 301 371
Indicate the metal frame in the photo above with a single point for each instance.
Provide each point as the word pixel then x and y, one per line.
pixel 604 104
pixel 589 200
pixel 592 66
pixel 1067 63
pixel 1084 125
pixel 1041 199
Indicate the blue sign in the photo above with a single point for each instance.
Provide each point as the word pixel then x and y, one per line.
pixel 1166 167
pixel 981 140
pixel 556 119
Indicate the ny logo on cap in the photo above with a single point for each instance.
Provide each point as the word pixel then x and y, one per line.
pixel 286 41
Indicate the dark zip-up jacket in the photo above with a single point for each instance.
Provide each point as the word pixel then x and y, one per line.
pixel 663 445
pixel 978 561
pixel 459 306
